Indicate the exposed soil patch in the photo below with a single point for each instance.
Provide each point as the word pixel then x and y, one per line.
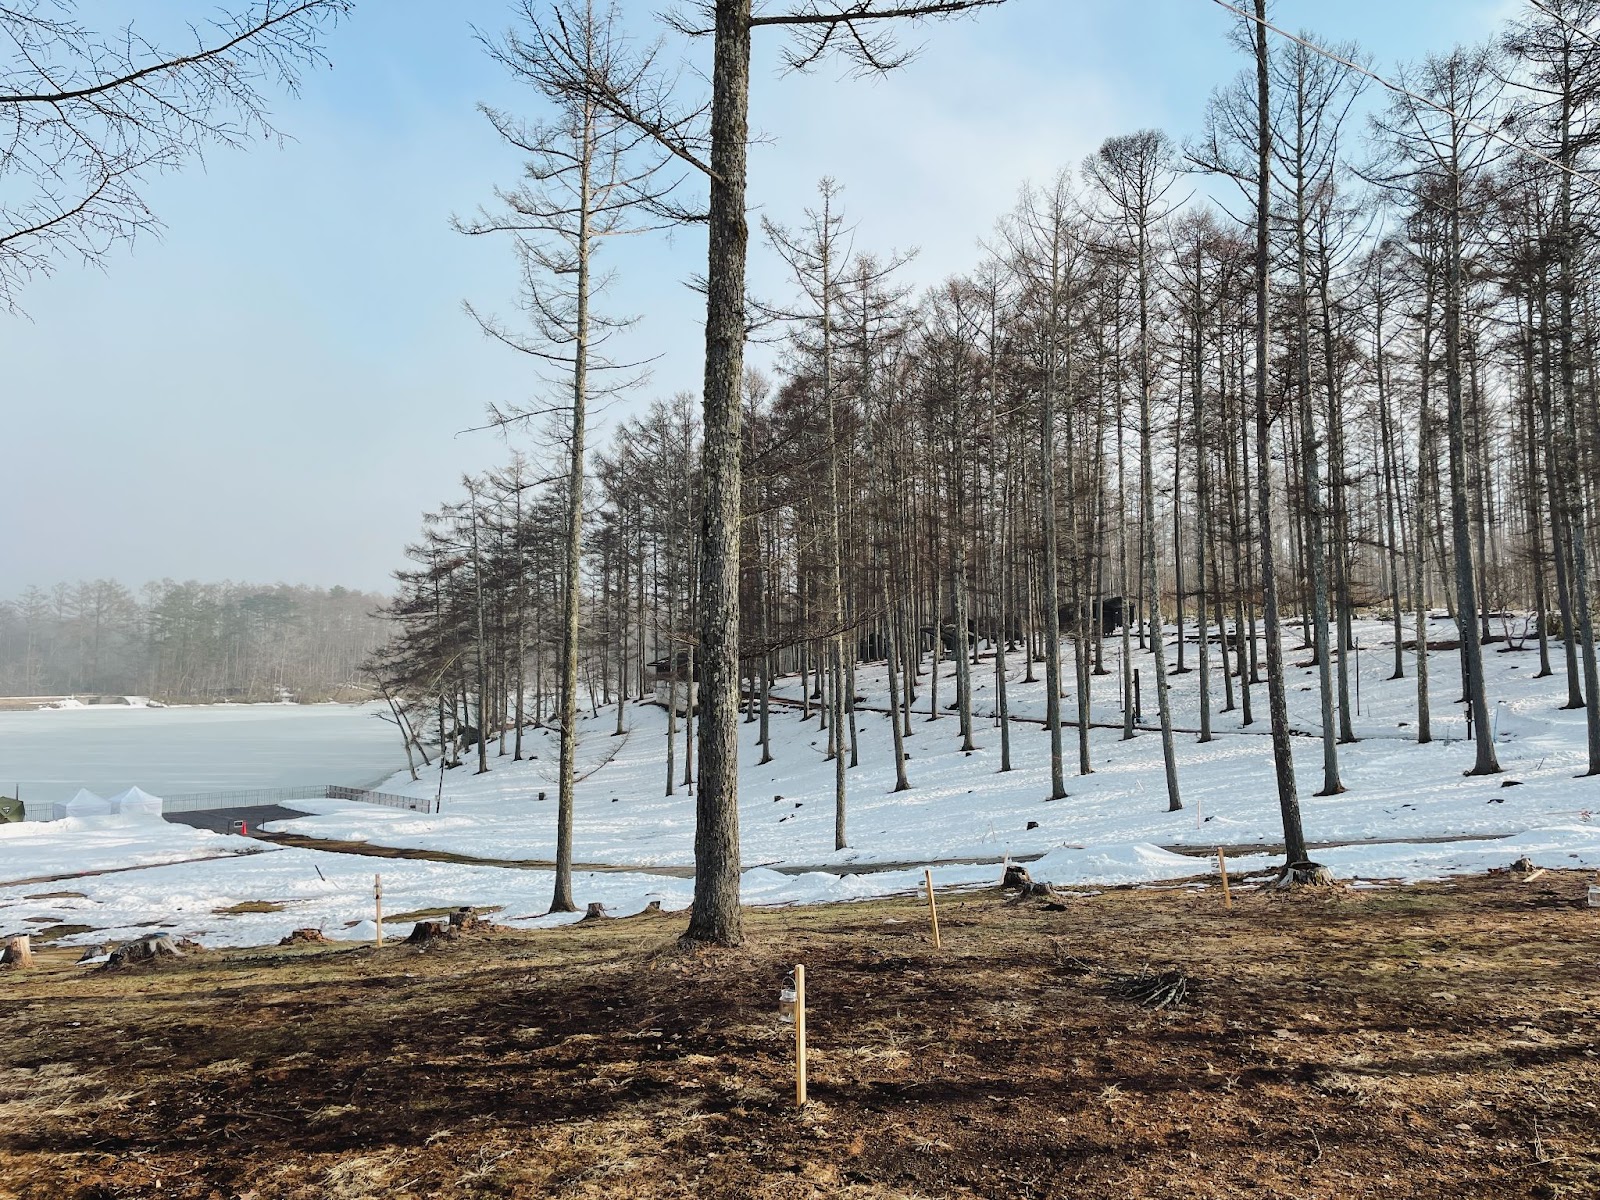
pixel 300 841
pixel 1437 1041
pixel 250 906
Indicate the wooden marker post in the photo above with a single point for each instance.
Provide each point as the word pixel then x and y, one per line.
pixel 1222 865
pixel 377 903
pixel 799 1036
pixel 933 908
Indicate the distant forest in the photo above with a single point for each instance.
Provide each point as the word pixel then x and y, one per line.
pixel 187 641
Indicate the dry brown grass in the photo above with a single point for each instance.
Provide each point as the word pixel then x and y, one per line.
pixel 1426 1042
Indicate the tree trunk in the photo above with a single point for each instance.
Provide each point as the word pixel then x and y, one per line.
pixel 1047 505
pixel 716 917
pixel 1282 751
pixel 1460 522
pixel 572 549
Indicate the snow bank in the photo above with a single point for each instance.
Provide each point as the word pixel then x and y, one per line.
pixel 76 845
pixel 1560 847
pixel 1109 865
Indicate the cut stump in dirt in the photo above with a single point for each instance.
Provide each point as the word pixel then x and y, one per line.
pixel 1016 877
pixel 1024 885
pixel 17 951
pixel 154 948
pixel 462 921
pixel 427 931
pixel 304 937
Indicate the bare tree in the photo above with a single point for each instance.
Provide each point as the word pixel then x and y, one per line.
pixel 87 119
pixel 586 181
pixel 1560 49
pixel 1044 251
pixel 1238 143
pixel 1136 174
pixel 1319 95
pixel 1437 128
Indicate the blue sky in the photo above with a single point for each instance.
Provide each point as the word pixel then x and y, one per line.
pixel 274 389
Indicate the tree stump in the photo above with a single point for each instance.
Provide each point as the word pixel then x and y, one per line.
pixel 147 949
pixel 652 909
pixel 1303 874
pixel 1016 876
pixel 463 920
pixel 596 912
pixel 301 937
pixel 17 952
pixel 427 931
pixel 466 920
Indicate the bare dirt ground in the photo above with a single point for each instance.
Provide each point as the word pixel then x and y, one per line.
pixel 1434 1041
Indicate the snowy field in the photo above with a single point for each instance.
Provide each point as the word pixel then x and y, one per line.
pixel 51 753
pixel 1420 817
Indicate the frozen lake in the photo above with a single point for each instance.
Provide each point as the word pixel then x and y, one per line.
pixel 52 753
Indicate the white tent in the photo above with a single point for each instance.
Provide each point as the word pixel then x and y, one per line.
pixel 84 804
pixel 136 802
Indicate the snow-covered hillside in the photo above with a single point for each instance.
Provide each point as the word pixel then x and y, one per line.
pixel 961 805
pixel 1409 811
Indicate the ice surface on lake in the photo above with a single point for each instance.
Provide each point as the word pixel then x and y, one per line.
pixel 168 751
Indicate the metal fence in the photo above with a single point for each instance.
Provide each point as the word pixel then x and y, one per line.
pixel 251 798
pixel 414 803
pixel 262 797
pixel 265 797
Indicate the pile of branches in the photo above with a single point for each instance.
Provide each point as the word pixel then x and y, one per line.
pixel 1160 989
pixel 1151 989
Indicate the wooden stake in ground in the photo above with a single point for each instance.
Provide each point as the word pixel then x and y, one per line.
pixel 1222 865
pixel 799 1036
pixel 377 904
pixel 933 909
pixel 18 951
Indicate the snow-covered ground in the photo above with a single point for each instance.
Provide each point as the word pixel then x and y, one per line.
pixel 1414 800
pixel 44 849
pixel 960 805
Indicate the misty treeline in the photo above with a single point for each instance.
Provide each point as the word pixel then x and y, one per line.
pixel 1332 353
pixel 189 641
